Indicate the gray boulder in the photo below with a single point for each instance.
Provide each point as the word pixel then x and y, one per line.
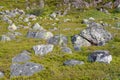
pixel 27 69
pixel 78 40
pixel 1 74
pixel 43 49
pixel 23 57
pixel 96 35
pixel 100 56
pixel 73 62
pixel 58 40
pixel 66 50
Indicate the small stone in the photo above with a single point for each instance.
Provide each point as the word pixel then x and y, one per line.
pixel 37 27
pixel 12 27
pixel 1 74
pixel 73 62
pixel 43 49
pixel 66 50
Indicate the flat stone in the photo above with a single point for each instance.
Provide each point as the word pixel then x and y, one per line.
pixel 73 62
pixel 43 49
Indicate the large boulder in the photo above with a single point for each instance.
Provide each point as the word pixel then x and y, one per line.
pixel 27 69
pixel 100 56
pixel 96 35
pixel 73 62
pixel 43 49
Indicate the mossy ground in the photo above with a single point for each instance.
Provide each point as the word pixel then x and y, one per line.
pixel 53 62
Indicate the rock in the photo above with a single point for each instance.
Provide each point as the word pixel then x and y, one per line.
pixel 66 50
pixel 43 49
pixel 96 35
pixel 23 57
pixel 58 40
pixel 39 35
pixel 79 41
pixel 12 27
pixel 85 21
pixel 108 5
pixel 27 69
pixel 26 20
pixel 92 19
pixel 73 62
pixel 100 56
pixel 116 3
pixel 37 27
pixel 1 74
pixel 53 15
pixel 5 38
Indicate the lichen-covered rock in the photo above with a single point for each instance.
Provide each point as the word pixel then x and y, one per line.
pixel 100 56
pixel 27 69
pixel 73 62
pixel 12 27
pixel 78 40
pixel 58 40
pixel 37 27
pixel 43 49
pixel 96 35
pixel 23 57
pixel 39 34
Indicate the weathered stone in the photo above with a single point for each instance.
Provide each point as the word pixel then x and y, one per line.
pixel 66 50
pixel 5 38
pixel 43 49
pixel 37 27
pixel 100 56
pixel 108 5
pixel 79 41
pixel 96 35
pixel 23 57
pixel 12 27
pixel 58 40
pixel 73 62
pixel 27 69
pixel 1 74
pixel 39 35
pixel 53 15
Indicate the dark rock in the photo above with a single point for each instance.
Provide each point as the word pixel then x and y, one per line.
pixel 73 62
pixel 100 56
pixel 27 69
pixel 43 49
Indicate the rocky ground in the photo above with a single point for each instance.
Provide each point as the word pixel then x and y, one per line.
pixel 73 44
